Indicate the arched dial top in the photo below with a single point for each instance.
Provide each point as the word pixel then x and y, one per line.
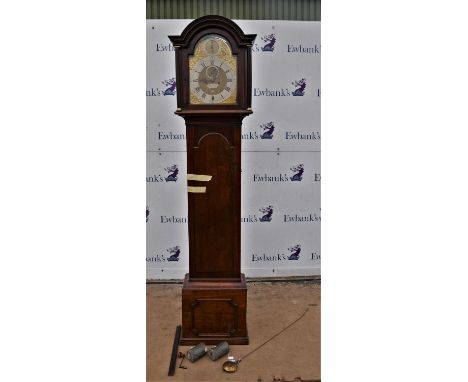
pixel 213 72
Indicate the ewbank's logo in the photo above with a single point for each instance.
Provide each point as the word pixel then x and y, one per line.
pixel 173 171
pixel 297 135
pixel 170 176
pixel 174 253
pixel 167 219
pixel 269 41
pixel 171 84
pixel 268 129
pixel 147 213
pixel 170 89
pixel 300 85
pixel 267 214
pixel 268 44
pixel 299 171
pixel 304 218
pixel 164 136
pixel 164 47
pixel 299 90
pixel 294 252
pixel 294 48
pixel 280 256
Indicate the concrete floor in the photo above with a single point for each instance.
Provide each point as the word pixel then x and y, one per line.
pixel 270 308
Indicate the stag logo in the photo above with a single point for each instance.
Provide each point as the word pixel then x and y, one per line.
pixel 269 41
pixel 267 214
pixel 294 252
pixel 147 213
pixel 300 85
pixel 174 253
pixel 173 171
pixel 171 84
pixel 268 129
pixel 299 171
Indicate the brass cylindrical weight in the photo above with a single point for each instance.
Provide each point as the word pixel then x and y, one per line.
pixel 218 351
pixel 196 352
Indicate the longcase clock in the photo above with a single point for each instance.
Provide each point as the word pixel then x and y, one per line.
pixel 213 74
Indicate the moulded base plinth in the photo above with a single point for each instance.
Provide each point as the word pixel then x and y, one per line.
pixel 214 311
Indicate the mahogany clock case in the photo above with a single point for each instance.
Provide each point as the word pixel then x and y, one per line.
pixel 214 294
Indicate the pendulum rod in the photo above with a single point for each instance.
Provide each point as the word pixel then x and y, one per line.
pixel 276 335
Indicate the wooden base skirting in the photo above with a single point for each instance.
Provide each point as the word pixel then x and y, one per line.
pixel 214 311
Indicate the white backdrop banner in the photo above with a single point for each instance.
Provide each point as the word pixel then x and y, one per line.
pixel 281 175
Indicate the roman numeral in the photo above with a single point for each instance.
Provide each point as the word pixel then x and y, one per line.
pixel 228 80
pixel 212 62
pixel 227 88
pixel 203 95
pixel 195 80
pixel 203 64
pixel 197 89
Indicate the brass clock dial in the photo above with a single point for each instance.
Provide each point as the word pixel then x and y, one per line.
pixel 213 72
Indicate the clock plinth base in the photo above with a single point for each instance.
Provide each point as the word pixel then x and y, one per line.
pixel 214 311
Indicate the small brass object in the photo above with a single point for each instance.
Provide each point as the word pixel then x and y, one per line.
pixel 230 366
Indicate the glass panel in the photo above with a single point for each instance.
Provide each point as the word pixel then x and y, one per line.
pixel 213 72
